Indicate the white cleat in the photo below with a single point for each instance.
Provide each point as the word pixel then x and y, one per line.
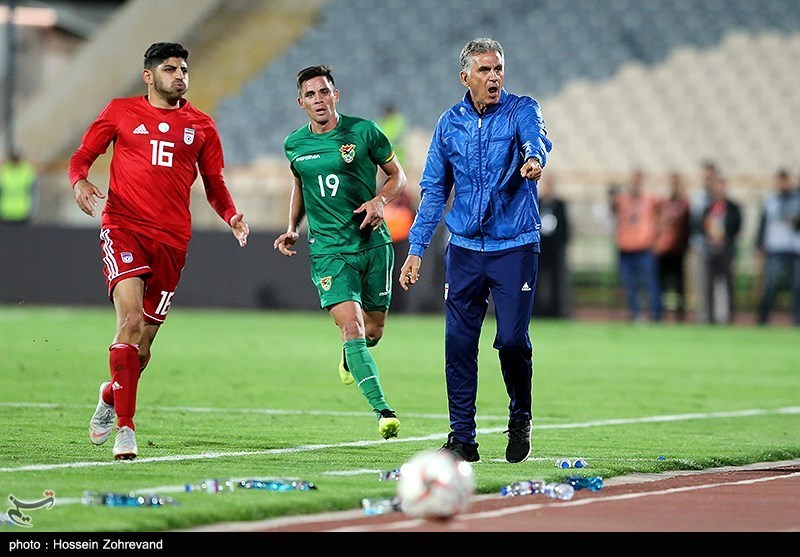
pixel 102 423
pixel 125 444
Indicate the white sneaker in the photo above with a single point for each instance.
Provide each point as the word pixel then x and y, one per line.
pixel 102 423
pixel 125 444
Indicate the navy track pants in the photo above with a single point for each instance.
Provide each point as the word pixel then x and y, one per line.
pixel 470 277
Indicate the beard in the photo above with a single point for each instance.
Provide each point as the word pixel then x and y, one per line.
pixel 170 92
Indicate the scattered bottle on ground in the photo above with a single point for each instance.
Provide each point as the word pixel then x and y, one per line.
pixel 594 483
pixel 569 463
pixel 210 486
pixel 277 484
pixel 389 475
pixel 525 487
pixel 561 491
pixel 380 505
pixel 125 499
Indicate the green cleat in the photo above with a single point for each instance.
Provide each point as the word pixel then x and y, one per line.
pixel 344 374
pixel 388 424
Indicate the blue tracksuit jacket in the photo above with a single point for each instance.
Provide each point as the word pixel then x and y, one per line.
pixel 479 157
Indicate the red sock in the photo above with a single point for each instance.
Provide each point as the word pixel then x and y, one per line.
pixel 123 360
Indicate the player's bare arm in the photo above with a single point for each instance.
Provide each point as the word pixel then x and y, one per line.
pixel 409 273
pixel 86 195
pixel 297 211
pixel 393 186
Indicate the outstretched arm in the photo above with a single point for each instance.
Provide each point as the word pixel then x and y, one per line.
pixel 297 211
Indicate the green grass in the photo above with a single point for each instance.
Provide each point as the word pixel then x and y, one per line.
pixel 237 394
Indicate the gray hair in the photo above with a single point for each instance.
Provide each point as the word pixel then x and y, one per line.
pixel 478 46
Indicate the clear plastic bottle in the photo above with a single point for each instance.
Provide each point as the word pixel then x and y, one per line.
pixel 277 484
pixel 125 499
pixel 563 463
pixel 389 475
pixel 380 505
pixel 561 491
pixel 580 463
pixel 525 487
pixel 210 486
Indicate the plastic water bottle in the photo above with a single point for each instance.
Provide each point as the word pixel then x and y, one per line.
pixel 277 484
pixel 525 487
pixel 563 463
pixel 390 475
pixel 561 491
pixel 594 483
pixel 125 499
pixel 210 486
pixel 580 463
pixel 380 505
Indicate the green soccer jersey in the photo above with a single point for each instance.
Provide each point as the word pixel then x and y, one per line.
pixel 338 170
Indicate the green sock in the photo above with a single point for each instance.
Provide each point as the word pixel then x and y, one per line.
pixel 365 371
pixel 371 342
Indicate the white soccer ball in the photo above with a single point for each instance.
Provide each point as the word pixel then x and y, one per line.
pixel 435 484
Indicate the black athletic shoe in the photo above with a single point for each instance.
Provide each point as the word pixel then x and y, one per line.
pixel 464 451
pixel 519 440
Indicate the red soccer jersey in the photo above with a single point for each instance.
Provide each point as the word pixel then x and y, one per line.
pixel 156 158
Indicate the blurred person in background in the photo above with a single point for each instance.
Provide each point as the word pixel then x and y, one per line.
pixel 18 190
pixel 335 160
pixel 487 151
pixel 698 204
pixel 553 284
pixel 399 216
pixel 160 143
pixel 395 125
pixel 636 214
pixel 672 243
pixel 778 244
pixel 722 223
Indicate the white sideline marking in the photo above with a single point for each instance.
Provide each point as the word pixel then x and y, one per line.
pixel 432 437
pixel 516 509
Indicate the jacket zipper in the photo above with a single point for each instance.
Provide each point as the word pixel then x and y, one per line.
pixel 480 184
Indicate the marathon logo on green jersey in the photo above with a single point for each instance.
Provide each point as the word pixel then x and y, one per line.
pixel 348 152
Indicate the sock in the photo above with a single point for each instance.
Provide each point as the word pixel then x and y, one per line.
pixel 108 394
pixel 365 371
pixel 371 342
pixel 123 360
pixel 344 359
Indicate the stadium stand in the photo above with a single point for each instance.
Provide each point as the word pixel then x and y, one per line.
pixel 622 83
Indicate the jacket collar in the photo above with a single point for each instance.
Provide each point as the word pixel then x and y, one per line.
pixel 467 100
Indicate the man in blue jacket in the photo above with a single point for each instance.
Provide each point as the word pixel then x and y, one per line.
pixel 488 150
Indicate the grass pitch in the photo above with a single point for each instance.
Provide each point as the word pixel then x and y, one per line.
pixel 233 394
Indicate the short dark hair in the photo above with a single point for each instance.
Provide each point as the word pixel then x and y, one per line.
pixel 158 52
pixel 314 71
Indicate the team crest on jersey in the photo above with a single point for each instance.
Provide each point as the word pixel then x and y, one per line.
pixel 126 256
pixel 326 283
pixel 188 135
pixel 348 152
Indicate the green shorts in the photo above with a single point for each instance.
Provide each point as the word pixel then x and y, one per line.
pixel 364 277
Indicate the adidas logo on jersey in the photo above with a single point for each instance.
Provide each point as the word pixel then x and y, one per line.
pixel 141 130
pixel 525 287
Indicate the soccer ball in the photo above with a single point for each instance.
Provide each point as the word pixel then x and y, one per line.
pixel 435 484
